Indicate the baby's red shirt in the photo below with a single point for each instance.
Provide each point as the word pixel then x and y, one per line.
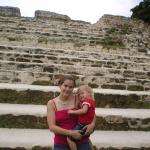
pixel 88 117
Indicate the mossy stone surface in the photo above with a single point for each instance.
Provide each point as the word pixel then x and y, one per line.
pixel 25 97
pixel 123 124
pixel 23 121
pixel 123 148
pixel 121 101
pixel 102 123
pixel 22 148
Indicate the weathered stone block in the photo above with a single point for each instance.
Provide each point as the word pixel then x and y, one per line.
pixel 50 15
pixel 113 86
pixel 9 11
pixel 135 88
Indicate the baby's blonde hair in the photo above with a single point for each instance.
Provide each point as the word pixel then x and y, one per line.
pixel 88 89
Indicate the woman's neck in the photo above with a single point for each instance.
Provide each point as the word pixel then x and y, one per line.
pixel 63 98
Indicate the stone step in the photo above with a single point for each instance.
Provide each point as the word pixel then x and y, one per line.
pixel 55 32
pixel 45 78
pixel 23 39
pixel 40 24
pixel 40 111
pixel 73 69
pixel 83 28
pixel 89 53
pixel 20 116
pixel 25 138
pixel 32 24
pixel 63 43
pixel 48 37
pixel 39 38
pixel 108 98
pixel 72 60
pixel 52 32
pixel 29 138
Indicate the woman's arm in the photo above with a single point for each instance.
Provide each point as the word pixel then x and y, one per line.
pixel 52 123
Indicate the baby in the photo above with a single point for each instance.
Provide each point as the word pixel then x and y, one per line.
pixel 86 112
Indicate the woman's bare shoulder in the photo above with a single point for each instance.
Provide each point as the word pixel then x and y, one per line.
pixel 51 101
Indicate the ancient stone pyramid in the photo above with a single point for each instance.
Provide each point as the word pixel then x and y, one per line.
pixel 112 56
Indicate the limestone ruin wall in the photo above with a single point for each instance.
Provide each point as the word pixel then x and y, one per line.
pixel 112 53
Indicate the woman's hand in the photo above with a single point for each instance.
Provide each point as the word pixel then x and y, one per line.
pixel 76 134
pixel 89 129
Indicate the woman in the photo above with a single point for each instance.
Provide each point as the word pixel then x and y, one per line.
pixel 61 122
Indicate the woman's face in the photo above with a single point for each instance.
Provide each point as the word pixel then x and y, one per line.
pixel 67 88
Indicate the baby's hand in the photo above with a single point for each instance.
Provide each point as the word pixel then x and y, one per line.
pixel 70 111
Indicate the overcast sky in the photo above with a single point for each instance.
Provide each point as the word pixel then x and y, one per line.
pixel 85 10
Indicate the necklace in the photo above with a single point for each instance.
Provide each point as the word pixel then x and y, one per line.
pixel 62 102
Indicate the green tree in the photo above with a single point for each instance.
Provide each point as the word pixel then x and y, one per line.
pixel 142 11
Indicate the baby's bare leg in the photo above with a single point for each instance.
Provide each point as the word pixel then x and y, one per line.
pixel 91 146
pixel 72 144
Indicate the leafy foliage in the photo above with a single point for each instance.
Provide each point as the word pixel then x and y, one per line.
pixel 142 11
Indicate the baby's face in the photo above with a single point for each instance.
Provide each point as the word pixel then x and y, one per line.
pixel 82 93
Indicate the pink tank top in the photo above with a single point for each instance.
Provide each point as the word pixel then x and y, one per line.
pixel 66 121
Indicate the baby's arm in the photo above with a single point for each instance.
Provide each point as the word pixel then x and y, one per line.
pixel 80 111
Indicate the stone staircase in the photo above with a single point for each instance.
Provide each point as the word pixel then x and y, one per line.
pixel 112 56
